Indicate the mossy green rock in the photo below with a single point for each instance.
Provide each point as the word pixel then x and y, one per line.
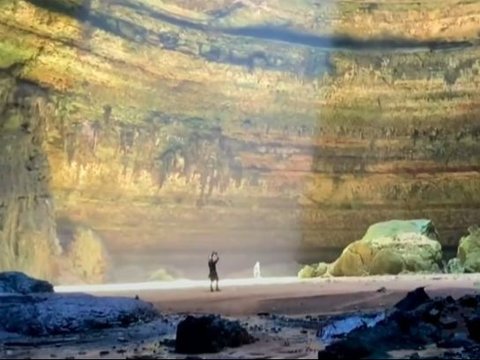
pixel 391 247
pixel 468 252
pixel 322 269
pixel 386 261
pixel 312 271
pixel 353 261
pixel 307 272
pixel 393 228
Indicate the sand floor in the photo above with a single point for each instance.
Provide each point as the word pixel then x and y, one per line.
pixel 289 296
pixel 295 300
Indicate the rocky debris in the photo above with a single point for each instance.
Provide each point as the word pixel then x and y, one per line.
pixel 415 322
pixel 170 343
pixel 390 247
pixel 61 314
pixel 209 334
pixel 19 283
pixel 448 322
pixel 456 340
pixel 305 323
pixel 308 271
pixel 473 326
pixel 413 300
pixel 315 270
pixel 468 301
pixel 338 328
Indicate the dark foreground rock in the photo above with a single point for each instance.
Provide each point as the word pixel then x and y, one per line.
pixel 473 326
pixel 30 307
pixel 19 283
pixel 415 322
pixel 61 314
pixel 209 334
pixel 413 300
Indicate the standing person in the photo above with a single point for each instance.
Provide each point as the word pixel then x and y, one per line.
pixel 256 270
pixel 212 266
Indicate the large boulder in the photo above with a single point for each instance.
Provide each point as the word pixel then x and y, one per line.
pixel 19 283
pixel 209 334
pixel 394 228
pixel 468 253
pixel 391 247
pixel 63 314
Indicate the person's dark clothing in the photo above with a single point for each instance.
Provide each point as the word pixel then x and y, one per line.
pixel 212 266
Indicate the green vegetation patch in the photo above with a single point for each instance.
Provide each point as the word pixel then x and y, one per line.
pixel 11 54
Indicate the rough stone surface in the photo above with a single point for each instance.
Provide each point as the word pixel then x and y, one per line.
pixel 473 326
pixel 468 301
pixel 395 250
pixel 457 340
pixel 58 314
pixel 231 122
pixel 209 334
pixel 413 300
pixel 312 271
pixel 415 321
pixel 308 271
pixel 468 254
pixel 390 247
pixel 28 240
pixel 19 283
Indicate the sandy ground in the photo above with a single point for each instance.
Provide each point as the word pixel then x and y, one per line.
pixel 289 299
pixel 289 296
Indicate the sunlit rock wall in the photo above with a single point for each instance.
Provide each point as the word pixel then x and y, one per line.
pixel 28 239
pixel 264 130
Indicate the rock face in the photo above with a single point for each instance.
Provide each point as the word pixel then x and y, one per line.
pixel 281 135
pixel 19 283
pixel 468 254
pixel 415 322
pixel 27 221
pixel 390 247
pixel 58 314
pixel 209 334
pixel 30 307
